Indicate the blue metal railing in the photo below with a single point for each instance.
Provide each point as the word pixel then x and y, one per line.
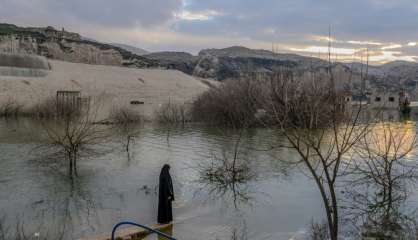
pixel 141 226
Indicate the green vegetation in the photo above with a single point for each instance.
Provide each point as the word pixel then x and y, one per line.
pixel 6 28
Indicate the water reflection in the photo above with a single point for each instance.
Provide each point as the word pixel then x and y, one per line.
pixel 227 173
pixel 112 188
pixel 55 213
pixel 383 170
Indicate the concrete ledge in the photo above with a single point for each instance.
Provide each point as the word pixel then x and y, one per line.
pixel 129 233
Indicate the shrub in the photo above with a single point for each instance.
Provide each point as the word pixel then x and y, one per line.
pixel 172 113
pixel 234 102
pixel 45 109
pixel 124 115
pixel 10 109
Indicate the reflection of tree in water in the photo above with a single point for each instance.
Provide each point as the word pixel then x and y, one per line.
pixel 240 234
pixel 228 175
pixel 383 173
pixel 237 232
pixel 242 157
pixel 73 206
pixel 68 205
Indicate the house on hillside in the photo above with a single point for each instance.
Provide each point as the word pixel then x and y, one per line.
pixel 54 34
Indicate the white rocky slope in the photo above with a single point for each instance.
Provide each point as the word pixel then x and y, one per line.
pixel 112 86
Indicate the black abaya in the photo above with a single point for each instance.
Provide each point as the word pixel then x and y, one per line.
pixel 165 196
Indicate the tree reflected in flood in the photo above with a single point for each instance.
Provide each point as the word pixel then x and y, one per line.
pixel 227 174
pixel 55 218
pixel 383 170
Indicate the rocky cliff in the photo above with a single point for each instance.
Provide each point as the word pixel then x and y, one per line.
pixel 67 46
pixel 181 61
pixel 222 64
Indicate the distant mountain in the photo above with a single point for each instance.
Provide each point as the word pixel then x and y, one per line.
pixel 221 64
pixel 397 74
pixel 132 49
pixel 181 61
pixel 171 56
pixel 233 61
pixel 243 52
pixel 218 64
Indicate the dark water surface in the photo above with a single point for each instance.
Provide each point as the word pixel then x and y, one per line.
pixel 278 202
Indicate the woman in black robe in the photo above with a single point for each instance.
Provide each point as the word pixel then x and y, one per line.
pixel 165 196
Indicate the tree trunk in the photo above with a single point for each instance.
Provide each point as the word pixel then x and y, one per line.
pixel 70 167
pixel 75 164
pixel 334 233
pixel 128 142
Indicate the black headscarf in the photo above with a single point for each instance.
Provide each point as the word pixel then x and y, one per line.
pixel 166 182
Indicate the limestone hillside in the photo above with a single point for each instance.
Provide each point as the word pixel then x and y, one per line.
pixel 66 46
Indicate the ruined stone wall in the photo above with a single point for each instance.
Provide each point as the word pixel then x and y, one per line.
pixel 81 53
pixel 72 51
pixel 18 44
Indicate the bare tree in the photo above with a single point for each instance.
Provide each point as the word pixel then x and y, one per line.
pixel 318 231
pixel 127 124
pixel 383 168
pixel 228 173
pixel 320 127
pixel 73 134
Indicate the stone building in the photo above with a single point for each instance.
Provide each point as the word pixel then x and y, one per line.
pixel 52 33
pixel 387 99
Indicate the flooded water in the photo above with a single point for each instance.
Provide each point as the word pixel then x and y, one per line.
pixel 276 202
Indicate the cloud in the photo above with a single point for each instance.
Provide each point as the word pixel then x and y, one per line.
pixel 197 16
pixel 388 56
pixel 100 12
pixel 294 25
pixel 365 18
pixel 365 43
pixel 162 39
pixel 392 46
pixel 320 38
pixel 325 49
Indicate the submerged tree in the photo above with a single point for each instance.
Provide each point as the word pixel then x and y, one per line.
pixel 228 173
pixel 312 115
pixel 318 231
pixel 382 172
pixel 127 124
pixel 72 134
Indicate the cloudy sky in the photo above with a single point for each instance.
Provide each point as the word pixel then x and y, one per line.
pixel 387 28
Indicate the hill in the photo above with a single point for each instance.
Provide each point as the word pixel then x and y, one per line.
pixel 112 86
pixel 218 64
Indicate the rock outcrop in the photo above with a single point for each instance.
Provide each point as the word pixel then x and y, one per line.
pixel 67 46
pixel 181 61
pixel 222 64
